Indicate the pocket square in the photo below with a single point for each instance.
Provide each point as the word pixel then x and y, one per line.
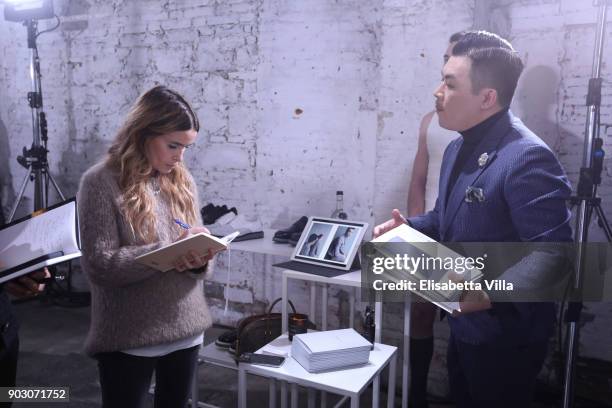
pixel 474 194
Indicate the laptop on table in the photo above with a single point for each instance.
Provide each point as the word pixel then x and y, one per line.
pixel 327 247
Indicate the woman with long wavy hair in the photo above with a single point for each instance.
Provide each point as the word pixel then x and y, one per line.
pixel 143 320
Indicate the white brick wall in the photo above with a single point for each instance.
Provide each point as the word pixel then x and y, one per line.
pixel 361 72
pixel 557 40
pixel 415 36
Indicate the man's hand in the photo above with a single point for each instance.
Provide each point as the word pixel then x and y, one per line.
pixel 397 220
pixel 473 301
pixel 27 285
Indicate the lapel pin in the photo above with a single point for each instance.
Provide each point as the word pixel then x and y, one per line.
pixel 482 160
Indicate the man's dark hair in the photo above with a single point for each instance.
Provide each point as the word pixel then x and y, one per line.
pixel 495 64
pixel 457 36
pixel 478 39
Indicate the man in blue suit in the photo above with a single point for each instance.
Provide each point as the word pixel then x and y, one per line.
pixel 498 183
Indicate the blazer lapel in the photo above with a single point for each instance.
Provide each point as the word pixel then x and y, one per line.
pixel 472 170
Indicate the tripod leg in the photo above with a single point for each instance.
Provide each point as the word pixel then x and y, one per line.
pixel 589 214
pixel 20 195
pixel 603 222
pixel 570 357
pixel 57 189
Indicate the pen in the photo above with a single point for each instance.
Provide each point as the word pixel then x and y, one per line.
pixel 182 224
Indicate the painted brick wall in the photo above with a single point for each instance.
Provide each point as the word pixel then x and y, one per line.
pixel 248 67
pixel 556 40
pixel 297 100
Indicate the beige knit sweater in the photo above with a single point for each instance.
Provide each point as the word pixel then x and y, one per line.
pixel 132 305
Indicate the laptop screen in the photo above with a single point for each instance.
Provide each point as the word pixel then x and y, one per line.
pixel 330 242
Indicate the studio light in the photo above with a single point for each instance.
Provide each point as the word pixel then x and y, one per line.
pixel 34 159
pixel 23 10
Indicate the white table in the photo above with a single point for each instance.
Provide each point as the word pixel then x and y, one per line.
pixel 264 245
pixel 211 354
pixel 349 382
pixel 351 279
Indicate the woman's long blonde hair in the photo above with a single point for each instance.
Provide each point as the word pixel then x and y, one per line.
pixel 156 112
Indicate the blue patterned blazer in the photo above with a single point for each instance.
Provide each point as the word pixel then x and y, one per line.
pixel 524 199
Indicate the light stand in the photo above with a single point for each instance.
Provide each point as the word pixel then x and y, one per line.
pixel 587 200
pixel 35 158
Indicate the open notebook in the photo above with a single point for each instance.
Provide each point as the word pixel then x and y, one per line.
pixel 162 258
pixel 44 238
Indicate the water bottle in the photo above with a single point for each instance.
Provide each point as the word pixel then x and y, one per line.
pixel 339 212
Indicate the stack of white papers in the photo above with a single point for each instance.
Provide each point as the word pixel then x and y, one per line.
pixel 280 346
pixel 330 350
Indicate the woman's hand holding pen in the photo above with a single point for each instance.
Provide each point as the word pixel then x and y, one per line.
pixel 191 231
pixel 191 260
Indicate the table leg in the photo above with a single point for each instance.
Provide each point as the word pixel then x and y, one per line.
pixel 272 392
pixel 378 318
pixel 324 307
pixel 283 394
pixel 391 385
pixel 294 395
pixel 406 351
pixel 313 298
pixel 324 327
pixel 352 307
pixel 242 387
pixel 376 392
pixel 311 397
pixel 355 401
pixel 284 304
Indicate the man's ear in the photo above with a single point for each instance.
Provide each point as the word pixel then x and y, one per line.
pixel 489 98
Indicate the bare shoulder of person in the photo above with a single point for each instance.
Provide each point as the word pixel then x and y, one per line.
pixel 426 121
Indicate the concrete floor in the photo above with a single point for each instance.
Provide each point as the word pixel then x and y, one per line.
pixel 52 338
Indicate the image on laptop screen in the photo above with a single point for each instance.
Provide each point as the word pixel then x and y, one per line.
pixel 330 242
